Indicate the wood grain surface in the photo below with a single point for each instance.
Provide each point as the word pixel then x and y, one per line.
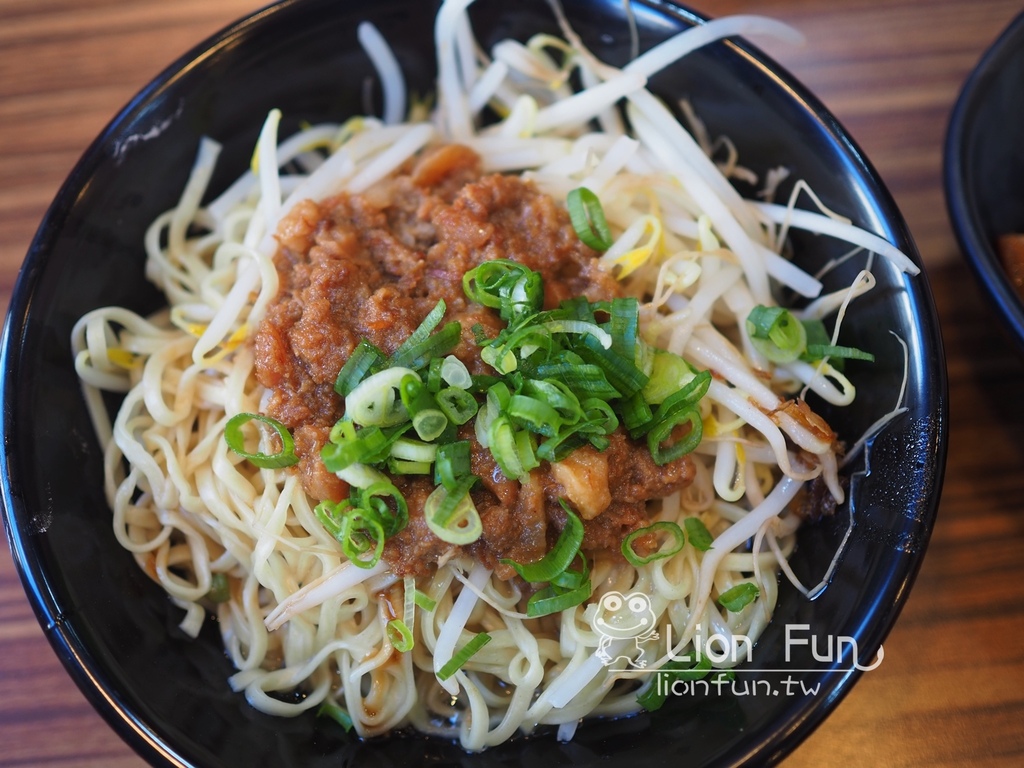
pixel 951 689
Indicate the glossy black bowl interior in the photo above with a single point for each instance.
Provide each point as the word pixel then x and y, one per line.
pixel 116 632
pixel 984 169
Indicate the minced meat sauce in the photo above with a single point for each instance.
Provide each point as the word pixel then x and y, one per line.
pixel 371 266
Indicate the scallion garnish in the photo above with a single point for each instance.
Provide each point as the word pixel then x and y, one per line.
pixel 654 528
pixel 550 600
pixel 654 695
pixel 587 217
pixel 455 373
pixel 559 557
pixel 451 515
pixel 739 597
pixel 403 467
pixel 423 601
pixel 776 333
pixel 452 464
pixel 782 338
pixel 458 661
pixel 422 332
pixel 562 378
pixel 661 451
pixel 669 372
pixel 400 636
pixel 386 503
pixel 430 424
pixel 818 351
pixel 364 521
pixel 364 360
pixel 698 534
pixel 337 714
pixel 286 457
pixel 376 401
pixel 220 588
pixel 458 405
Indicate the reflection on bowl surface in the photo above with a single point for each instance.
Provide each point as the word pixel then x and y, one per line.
pixel 984 168
pixel 117 633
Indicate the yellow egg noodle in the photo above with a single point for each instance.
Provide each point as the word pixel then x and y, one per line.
pixel 300 615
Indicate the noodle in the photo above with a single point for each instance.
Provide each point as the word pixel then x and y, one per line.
pixel 298 615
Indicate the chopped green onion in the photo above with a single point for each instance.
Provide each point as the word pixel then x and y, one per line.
pixel 536 415
pixel 508 286
pixel 420 335
pixel 220 588
pixel 452 463
pixel 451 515
pixel 559 557
pixel 738 597
pixel 624 324
pixel 570 579
pixel 361 475
pixel 636 414
pixel 351 447
pixel 685 399
pixel 434 380
pixel 415 396
pixel 621 372
pixel 458 405
pixel 816 333
pixel 442 342
pixel 337 714
pixel 400 636
pixel 362 533
pixel 588 219
pixel 556 394
pixel 636 560
pixel 403 467
pixel 564 443
pixel 581 327
pixel 365 359
pixel 430 424
pixel 668 374
pixel 654 695
pixel 585 378
pixel 663 454
pixel 482 284
pixel 455 373
pixel 600 414
pixel 236 441
pixel 818 351
pixel 501 438
pixel 456 662
pixel 330 515
pixel 776 333
pixel 413 450
pixel 526 449
pixel 376 401
pixel 424 601
pixel 357 530
pixel 549 600
pixel 698 534
pixel 387 503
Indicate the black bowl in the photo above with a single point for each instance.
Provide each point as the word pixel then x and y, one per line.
pixel 116 632
pixel 984 169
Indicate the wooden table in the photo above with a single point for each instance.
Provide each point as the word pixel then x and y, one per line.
pixel 951 689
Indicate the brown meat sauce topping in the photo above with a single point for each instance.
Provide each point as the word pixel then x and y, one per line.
pixel 372 266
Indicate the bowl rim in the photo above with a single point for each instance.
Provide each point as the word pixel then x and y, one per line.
pixel 959 177
pixel 88 673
